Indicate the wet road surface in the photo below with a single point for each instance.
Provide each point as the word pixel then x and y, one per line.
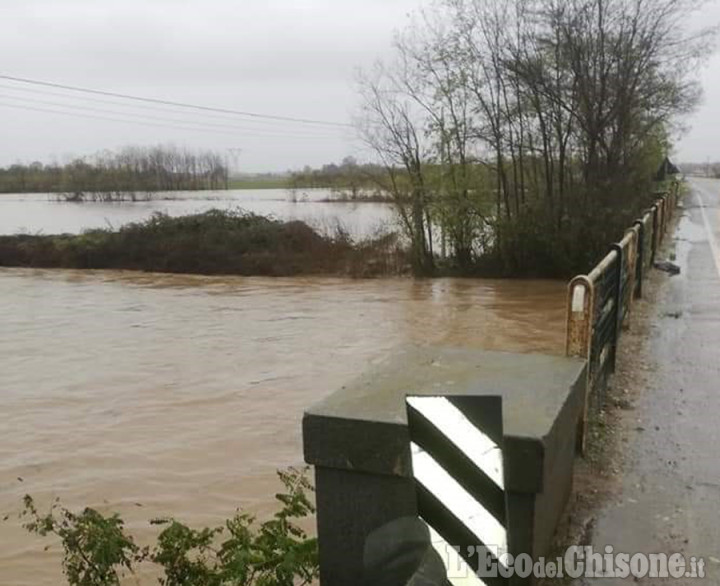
pixel 670 496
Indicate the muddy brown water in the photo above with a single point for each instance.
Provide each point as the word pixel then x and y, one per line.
pixel 156 395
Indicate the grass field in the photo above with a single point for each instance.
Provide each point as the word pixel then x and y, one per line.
pixel 259 183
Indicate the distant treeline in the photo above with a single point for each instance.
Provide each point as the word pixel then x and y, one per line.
pixel 706 169
pixel 349 176
pixel 111 175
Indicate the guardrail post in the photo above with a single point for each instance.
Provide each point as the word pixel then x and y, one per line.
pixel 654 240
pixel 639 264
pixel 578 339
pixel 664 218
pixel 579 317
pixel 631 267
pixel 618 302
pixel 649 237
pixel 661 220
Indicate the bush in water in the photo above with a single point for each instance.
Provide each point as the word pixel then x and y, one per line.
pixel 215 242
pixel 98 551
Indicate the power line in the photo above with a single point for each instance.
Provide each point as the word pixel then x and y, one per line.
pixel 202 124
pixel 152 108
pixel 126 121
pixel 93 117
pixel 172 103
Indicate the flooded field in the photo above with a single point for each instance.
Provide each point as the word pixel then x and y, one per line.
pixel 158 395
pixel 43 213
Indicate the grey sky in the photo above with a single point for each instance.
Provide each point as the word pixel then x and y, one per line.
pixel 293 58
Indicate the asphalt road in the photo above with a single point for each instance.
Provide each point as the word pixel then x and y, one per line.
pixel 670 496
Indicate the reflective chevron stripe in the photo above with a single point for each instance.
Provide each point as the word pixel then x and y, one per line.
pixel 455 447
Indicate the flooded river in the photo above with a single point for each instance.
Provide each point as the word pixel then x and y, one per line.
pixel 158 395
pixel 167 395
pixel 43 213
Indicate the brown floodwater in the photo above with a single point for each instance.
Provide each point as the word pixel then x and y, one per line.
pixel 156 395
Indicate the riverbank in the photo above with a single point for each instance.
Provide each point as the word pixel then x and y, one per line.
pixel 215 242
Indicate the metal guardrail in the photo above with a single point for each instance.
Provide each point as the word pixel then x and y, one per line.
pixel 478 467
pixel 599 302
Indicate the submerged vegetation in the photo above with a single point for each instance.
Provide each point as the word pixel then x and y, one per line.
pixel 213 242
pixel 512 137
pixel 98 551
pixel 350 179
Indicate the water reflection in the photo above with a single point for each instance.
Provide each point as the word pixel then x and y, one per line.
pixel 42 213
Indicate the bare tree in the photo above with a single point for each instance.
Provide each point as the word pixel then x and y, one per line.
pixel 564 106
pixel 392 127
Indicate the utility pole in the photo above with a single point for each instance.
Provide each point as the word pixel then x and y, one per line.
pixel 234 155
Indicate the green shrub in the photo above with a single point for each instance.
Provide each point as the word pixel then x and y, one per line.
pixel 97 551
pixel 214 242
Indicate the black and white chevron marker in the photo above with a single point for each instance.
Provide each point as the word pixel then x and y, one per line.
pixel 456 451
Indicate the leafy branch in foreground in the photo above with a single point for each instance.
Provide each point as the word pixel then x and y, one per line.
pixel 277 552
pixel 96 547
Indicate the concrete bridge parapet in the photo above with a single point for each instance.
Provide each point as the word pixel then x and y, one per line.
pixel 358 441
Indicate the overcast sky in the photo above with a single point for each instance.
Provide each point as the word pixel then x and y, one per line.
pixel 293 58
